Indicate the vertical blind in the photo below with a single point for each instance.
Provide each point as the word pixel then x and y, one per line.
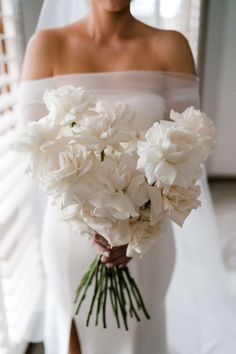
pixel 20 268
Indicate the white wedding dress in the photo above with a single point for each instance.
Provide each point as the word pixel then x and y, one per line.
pixel 182 278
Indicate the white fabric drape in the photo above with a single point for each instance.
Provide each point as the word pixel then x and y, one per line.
pixel 59 13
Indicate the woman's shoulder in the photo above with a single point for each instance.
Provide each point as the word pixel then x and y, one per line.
pixel 170 48
pixel 45 48
pixel 40 53
pixel 174 51
pixel 157 33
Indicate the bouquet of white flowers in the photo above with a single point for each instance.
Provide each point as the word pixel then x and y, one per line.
pixel 88 157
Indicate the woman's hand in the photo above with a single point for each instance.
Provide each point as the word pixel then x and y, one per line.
pixel 115 256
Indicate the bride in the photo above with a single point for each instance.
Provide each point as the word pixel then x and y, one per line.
pixel 117 57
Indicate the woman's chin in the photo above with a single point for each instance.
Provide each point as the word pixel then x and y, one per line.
pixel 113 5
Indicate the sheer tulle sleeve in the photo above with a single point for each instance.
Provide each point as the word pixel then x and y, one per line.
pixel 30 105
pixel 181 92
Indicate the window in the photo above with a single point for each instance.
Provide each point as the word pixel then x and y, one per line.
pixel 19 247
pixel 180 15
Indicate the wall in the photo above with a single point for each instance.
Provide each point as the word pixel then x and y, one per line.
pixel 219 83
pixel 29 10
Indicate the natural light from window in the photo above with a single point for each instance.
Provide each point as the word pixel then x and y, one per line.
pixel 143 7
pixel 169 8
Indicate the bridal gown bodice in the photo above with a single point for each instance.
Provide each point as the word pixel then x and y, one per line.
pixel 182 278
pixel 152 273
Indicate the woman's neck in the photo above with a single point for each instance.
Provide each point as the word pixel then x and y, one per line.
pixel 103 25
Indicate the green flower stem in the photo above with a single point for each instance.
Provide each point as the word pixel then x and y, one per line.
pixel 87 283
pixel 122 308
pixel 101 281
pixel 123 291
pixel 132 308
pixel 121 287
pixel 105 298
pixel 95 292
pixel 132 282
pixel 134 293
pixel 85 279
pixel 120 283
pixel 114 302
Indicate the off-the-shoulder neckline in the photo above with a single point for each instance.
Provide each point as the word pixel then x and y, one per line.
pixel 107 73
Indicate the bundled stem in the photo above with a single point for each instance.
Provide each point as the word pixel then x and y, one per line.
pixel 125 297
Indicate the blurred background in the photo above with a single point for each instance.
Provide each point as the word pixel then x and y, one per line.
pixel 210 27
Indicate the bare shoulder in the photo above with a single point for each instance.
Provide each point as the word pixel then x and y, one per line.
pixel 175 52
pixel 41 51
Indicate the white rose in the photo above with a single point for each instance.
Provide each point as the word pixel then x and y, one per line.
pixel 199 123
pixel 38 141
pixel 156 204
pixel 128 147
pixel 169 155
pixel 107 124
pixel 68 103
pixel 103 192
pixel 83 186
pixel 64 168
pixel 116 232
pixel 119 169
pixel 194 120
pixel 113 205
pixel 137 190
pixel 142 237
pixel 179 201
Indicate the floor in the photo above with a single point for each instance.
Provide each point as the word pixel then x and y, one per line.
pixel 224 199
pixel 35 349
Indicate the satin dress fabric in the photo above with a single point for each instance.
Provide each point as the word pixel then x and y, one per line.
pixel 182 279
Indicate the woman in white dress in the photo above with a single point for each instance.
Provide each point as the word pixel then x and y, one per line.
pixel 119 58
